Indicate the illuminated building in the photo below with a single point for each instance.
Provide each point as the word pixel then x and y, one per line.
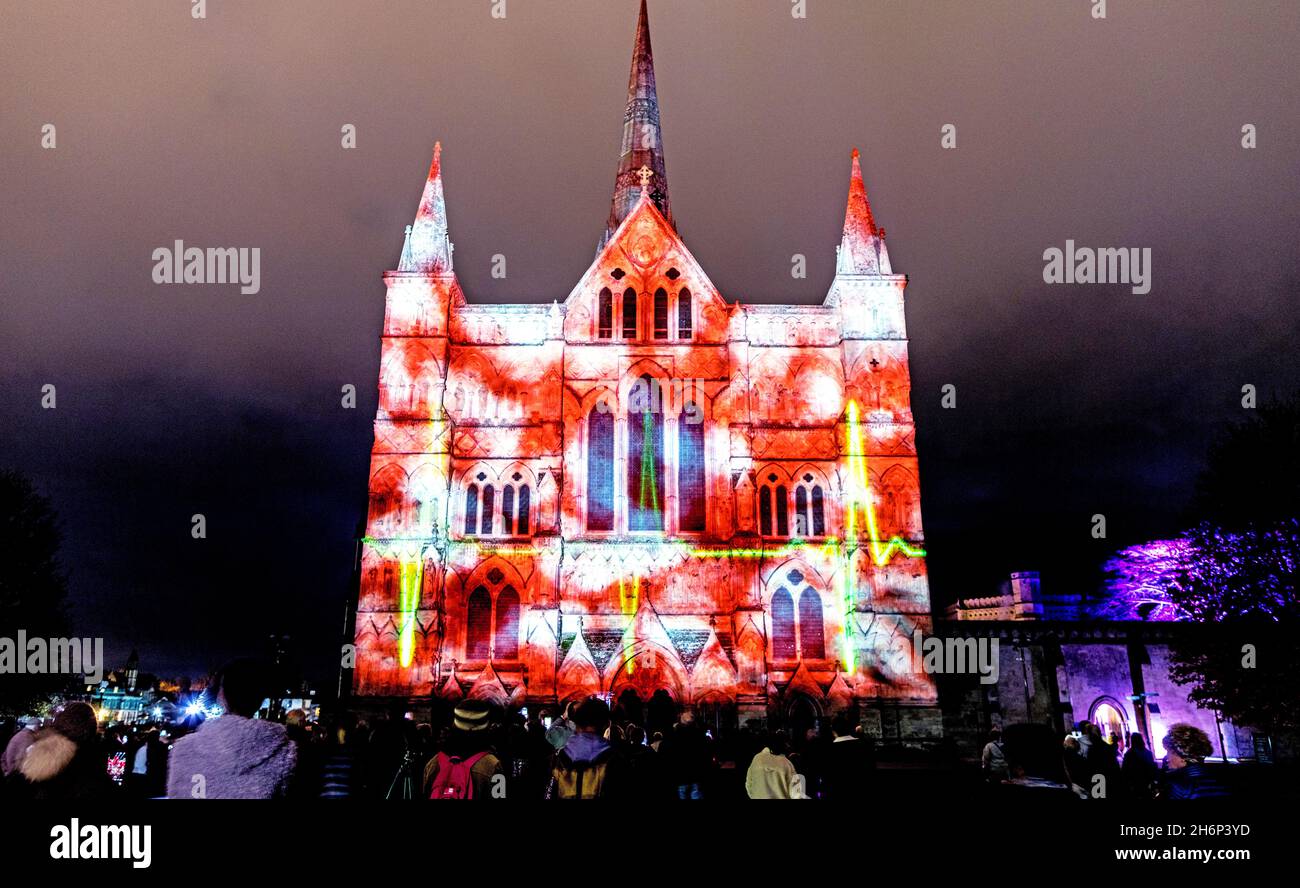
pixel 1066 658
pixel 643 488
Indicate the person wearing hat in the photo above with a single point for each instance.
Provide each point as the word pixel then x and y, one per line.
pixel 64 760
pixel 470 742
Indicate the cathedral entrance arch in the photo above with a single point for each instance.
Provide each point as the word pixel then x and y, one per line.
pixel 801 713
pixel 1109 716
pixel 717 715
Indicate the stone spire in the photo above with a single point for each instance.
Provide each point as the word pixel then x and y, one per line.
pixel 862 247
pixel 427 249
pixel 642 138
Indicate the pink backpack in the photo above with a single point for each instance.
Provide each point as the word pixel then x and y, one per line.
pixel 454 780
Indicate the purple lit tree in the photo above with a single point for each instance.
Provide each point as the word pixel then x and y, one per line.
pixel 1247 584
pixel 1141 580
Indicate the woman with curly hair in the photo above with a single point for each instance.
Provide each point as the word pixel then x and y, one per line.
pixel 1186 747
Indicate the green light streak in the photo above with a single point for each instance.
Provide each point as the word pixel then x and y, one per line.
pixel 858 495
pixel 412 573
pixel 628 601
pixel 648 480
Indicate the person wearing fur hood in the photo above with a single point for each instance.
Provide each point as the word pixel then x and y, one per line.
pixel 64 760
pixel 234 756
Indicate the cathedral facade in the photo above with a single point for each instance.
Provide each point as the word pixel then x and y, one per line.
pixel 642 490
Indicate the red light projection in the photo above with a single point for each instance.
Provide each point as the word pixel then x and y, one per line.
pixel 644 488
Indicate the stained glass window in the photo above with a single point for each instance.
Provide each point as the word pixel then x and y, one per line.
pixel 645 457
pixel 600 470
pixel 783 645
pixel 478 625
pixel 690 468
pixel 812 639
pixel 507 637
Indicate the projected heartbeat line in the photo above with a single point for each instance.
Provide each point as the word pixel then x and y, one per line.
pixel 858 497
pixel 859 505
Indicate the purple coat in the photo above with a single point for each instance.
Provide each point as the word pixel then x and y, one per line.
pixel 232 757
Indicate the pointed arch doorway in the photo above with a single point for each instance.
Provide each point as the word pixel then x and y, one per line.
pixel 801 713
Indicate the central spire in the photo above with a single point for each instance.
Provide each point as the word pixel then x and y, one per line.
pixel 642 138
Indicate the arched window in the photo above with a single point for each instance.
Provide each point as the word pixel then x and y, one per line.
pixel 629 313
pixel 690 468
pixel 471 509
pixel 645 456
pixel 605 314
pixel 773 507
pixel 508 510
pixel 521 525
pixel 684 317
pixel 812 638
pixel 478 625
pixel 507 634
pixel 514 506
pixel 661 314
pixel 809 507
pixel 783 644
pixel 600 470
pixel 489 511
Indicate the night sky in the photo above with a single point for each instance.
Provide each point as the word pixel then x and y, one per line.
pixel 226 132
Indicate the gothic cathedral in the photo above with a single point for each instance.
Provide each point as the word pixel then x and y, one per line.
pixel 644 489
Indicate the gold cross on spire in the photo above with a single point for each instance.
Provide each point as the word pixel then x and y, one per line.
pixel 644 175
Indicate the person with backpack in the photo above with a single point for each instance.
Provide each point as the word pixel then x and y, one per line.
pixel 588 767
pixel 467 768
pixel 993 763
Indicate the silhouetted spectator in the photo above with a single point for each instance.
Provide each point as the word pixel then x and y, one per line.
pixel 234 756
pixel 65 760
pixel 1139 771
pixel 847 764
pixel 467 767
pixel 771 774
pixel 588 767
pixel 992 762
pixel 687 757
pixel 1186 747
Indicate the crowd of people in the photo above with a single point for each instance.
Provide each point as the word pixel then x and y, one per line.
pixel 581 751
pixel 1089 766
